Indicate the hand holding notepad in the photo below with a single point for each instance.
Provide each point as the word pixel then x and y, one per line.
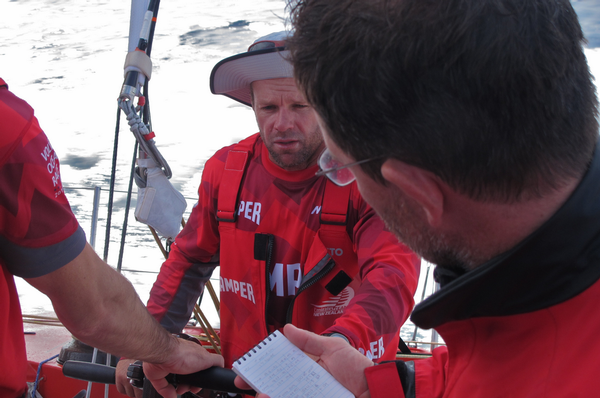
pixel 279 369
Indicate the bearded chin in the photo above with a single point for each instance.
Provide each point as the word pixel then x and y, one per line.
pixel 278 159
pixel 435 248
pixel 292 160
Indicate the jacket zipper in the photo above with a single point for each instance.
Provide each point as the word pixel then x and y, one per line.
pixel 311 281
pixel 268 260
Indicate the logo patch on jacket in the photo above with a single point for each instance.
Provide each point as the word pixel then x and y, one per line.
pixel 334 305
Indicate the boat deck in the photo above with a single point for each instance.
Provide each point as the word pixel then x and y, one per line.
pixel 43 342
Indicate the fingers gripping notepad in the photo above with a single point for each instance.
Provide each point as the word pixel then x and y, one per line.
pixel 279 369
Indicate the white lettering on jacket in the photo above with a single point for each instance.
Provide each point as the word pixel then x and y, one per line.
pixel 376 349
pixel 316 210
pixel 285 286
pixel 250 210
pixel 335 251
pixel 242 289
pixel 49 156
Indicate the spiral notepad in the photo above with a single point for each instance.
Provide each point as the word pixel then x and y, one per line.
pixel 279 369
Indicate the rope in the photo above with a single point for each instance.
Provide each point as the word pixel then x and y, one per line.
pixel 154 6
pixel 117 191
pixel 127 205
pixel 41 320
pixel 412 356
pixel 214 341
pixel 424 342
pixel 111 191
pixel 158 241
pixel 140 130
pixel 213 295
pixel 37 376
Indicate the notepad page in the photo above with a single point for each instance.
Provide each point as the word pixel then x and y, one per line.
pixel 279 369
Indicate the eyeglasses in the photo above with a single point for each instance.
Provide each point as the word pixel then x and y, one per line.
pixel 338 173
pixel 263 45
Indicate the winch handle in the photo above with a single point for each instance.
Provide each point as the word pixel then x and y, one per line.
pixel 213 378
pixel 94 372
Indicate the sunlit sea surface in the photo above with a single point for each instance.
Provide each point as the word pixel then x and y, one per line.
pixel 66 58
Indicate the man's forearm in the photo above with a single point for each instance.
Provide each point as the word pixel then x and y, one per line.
pixel 129 330
pixel 101 308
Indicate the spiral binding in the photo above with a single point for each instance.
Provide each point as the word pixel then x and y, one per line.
pixel 258 346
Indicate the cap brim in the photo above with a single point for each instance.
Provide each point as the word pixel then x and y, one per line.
pixel 232 76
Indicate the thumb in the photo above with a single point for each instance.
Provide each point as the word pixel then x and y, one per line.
pixel 306 341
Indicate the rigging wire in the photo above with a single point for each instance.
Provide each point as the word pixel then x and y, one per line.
pixel 111 190
pixel 142 130
pixel 127 205
pixel 138 126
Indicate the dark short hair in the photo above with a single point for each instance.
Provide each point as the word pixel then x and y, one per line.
pixel 493 96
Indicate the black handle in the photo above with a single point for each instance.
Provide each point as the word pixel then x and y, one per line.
pixel 214 378
pixel 87 371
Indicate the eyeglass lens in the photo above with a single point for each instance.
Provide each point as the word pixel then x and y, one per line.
pixel 342 176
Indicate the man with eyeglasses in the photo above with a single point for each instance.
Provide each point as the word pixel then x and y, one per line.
pixel 485 116
pixel 292 246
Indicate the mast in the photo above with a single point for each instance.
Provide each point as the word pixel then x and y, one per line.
pixel 136 19
pixel 159 204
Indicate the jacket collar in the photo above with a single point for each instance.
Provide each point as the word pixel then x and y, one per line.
pixel 555 263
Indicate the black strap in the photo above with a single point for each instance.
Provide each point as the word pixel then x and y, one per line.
pixel 403 347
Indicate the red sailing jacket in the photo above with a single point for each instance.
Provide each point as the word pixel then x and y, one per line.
pixel 523 325
pixel 289 255
pixel 38 231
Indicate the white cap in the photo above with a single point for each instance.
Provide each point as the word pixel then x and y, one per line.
pixel 265 59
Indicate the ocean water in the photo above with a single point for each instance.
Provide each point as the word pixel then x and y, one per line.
pixel 65 57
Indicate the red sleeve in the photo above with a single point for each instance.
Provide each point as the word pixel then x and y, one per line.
pixel 38 231
pixel 197 243
pixel 384 381
pixel 424 378
pixel 430 374
pixel 389 273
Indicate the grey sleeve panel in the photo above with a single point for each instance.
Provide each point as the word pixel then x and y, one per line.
pixel 28 262
pixel 341 336
pixel 191 287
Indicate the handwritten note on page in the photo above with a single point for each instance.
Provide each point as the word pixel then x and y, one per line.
pixel 279 369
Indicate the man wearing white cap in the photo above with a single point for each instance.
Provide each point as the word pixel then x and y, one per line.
pixel 293 247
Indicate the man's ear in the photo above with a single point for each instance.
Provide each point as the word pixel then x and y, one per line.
pixel 420 185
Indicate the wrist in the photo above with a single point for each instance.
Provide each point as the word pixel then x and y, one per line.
pixel 335 334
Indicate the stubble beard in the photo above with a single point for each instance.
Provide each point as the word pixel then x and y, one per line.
pixel 292 161
pixel 435 247
pixel 298 160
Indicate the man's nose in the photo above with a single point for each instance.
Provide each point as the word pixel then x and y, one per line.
pixel 284 120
